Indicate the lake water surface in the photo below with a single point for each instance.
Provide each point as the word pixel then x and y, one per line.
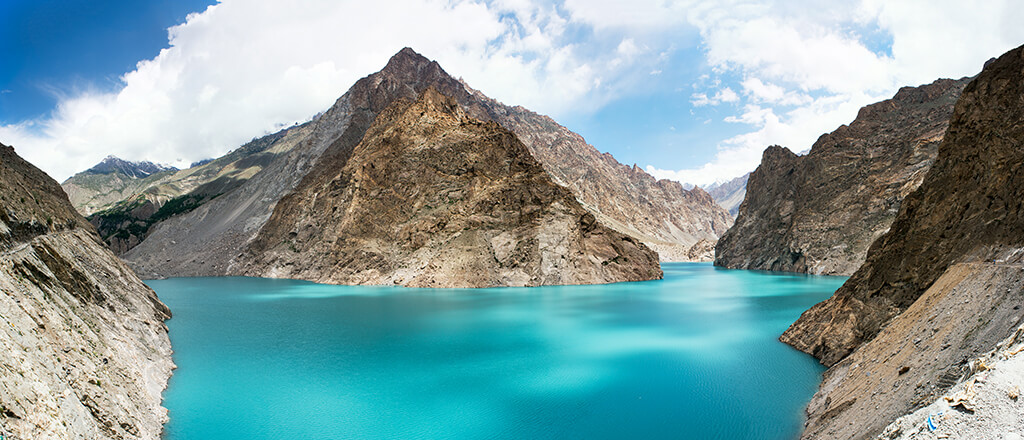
pixel 694 356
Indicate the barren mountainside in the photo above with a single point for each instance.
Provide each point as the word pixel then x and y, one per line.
pixel 729 195
pixel 434 198
pixel 818 213
pixel 943 286
pixel 123 207
pixel 86 353
pixel 207 241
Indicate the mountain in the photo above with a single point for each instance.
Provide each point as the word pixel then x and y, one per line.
pixel 134 170
pixel 108 182
pixel 123 209
pixel 209 240
pixel 818 213
pixel 729 195
pixel 942 287
pixel 86 353
pixel 434 198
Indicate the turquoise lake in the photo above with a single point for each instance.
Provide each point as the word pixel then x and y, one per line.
pixel 693 356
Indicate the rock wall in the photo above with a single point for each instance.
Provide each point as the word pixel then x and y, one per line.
pixel 86 353
pixel 943 285
pixel 207 241
pixel 818 213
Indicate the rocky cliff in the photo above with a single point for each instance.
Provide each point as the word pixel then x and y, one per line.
pixel 943 286
pixel 207 241
pixel 86 353
pixel 434 198
pixel 818 213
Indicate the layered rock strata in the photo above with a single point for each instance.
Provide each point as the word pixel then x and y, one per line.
pixel 86 353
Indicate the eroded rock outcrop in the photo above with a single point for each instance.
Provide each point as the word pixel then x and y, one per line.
pixel 943 286
pixel 820 212
pixel 434 198
pixel 86 353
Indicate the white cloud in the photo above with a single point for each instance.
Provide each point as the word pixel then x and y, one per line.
pixel 789 70
pixel 808 70
pixel 723 95
pixel 244 68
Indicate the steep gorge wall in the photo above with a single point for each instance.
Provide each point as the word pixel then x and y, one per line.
pixel 434 198
pixel 86 353
pixel 943 285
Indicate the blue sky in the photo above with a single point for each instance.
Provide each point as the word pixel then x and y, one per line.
pixel 52 48
pixel 691 90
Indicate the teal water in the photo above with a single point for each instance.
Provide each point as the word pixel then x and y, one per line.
pixel 694 356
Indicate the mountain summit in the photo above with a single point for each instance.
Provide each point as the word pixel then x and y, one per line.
pixel 135 170
pixel 432 197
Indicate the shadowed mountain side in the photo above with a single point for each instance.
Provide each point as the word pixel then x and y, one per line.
pixel 943 285
pixel 818 213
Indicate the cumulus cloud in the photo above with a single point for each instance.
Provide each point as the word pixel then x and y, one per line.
pixel 788 71
pixel 244 68
pixel 808 70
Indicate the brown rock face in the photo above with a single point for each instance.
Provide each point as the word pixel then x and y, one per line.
pixel 207 241
pixel 85 349
pixel 434 198
pixel 819 213
pixel 661 213
pixel 702 251
pixel 946 277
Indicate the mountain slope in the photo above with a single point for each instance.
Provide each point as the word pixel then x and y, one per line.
pixel 819 213
pixel 729 195
pixel 433 198
pixel 123 209
pixel 661 213
pixel 109 182
pixel 943 286
pixel 86 353
pixel 207 240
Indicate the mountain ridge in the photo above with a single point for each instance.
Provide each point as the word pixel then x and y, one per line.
pixel 431 197
pixel 942 287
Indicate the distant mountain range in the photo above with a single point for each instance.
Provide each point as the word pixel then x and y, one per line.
pixel 135 170
pixel 729 195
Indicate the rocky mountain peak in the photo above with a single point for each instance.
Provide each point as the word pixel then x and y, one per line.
pixel 431 197
pixel 135 170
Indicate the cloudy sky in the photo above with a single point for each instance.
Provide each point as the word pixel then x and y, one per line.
pixel 690 90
